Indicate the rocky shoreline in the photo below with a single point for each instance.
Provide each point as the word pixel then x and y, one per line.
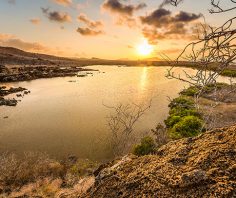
pixel 19 91
pixel 26 73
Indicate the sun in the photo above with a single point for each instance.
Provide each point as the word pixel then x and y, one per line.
pixel 144 49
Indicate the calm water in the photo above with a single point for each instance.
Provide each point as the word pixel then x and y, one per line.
pixel 62 117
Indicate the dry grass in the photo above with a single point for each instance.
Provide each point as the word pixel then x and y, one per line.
pixel 223 115
pixel 219 107
pixel 37 175
pixel 16 171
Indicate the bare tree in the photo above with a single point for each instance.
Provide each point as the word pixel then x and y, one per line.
pixel 121 124
pixel 216 5
pixel 161 135
pixel 172 2
pixel 211 53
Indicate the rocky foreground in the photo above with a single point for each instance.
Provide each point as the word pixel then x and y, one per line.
pixel 204 166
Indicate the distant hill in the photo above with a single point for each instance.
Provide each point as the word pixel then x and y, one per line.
pixel 153 59
pixel 10 55
pixel 14 56
pixel 17 57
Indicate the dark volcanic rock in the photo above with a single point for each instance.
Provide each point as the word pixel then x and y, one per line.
pixel 11 102
pixel 31 73
pixel 8 102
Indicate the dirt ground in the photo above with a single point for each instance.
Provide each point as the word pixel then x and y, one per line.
pixel 203 166
pixel 219 107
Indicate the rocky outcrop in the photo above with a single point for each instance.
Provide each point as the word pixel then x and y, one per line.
pixel 31 73
pixel 18 91
pixel 204 166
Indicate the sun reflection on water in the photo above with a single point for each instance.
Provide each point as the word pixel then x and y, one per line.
pixel 143 79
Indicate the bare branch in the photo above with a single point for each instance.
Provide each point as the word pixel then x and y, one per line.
pixel 121 124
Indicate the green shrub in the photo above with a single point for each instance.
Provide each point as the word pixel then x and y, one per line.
pixel 191 91
pixel 182 102
pixel 146 147
pixel 176 114
pixel 172 120
pixel 211 87
pixel 184 112
pixel 189 126
pixel 229 72
pixel 184 120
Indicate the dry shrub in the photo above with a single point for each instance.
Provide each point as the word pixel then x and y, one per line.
pixel 121 123
pixel 36 175
pixel 17 171
pixel 161 135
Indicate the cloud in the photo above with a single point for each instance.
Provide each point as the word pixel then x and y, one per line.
pixel 89 32
pixel 169 2
pixel 35 21
pixel 177 28
pixel 186 17
pixel 60 17
pixel 162 17
pixel 126 20
pixel 64 2
pixel 153 35
pixel 83 5
pixel 177 31
pixel 157 18
pixel 5 36
pixel 11 1
pixel 170 51
pixel 130 47
pixel 93 28
pixel 11 41
pixel 123 12
pixel 90 23
pixel 115 6
pixel 162 24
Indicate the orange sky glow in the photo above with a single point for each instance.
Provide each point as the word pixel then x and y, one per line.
pixel 110 29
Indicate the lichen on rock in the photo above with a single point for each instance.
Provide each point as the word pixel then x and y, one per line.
pixel 203 166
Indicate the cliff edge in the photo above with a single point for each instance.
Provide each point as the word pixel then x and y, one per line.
pixel 204 166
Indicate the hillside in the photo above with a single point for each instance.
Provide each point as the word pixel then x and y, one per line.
pixel 10 56
pixel 14 56
pixel 204 166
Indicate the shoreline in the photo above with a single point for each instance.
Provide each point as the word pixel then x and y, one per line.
pixel 18 73
pixel 19 91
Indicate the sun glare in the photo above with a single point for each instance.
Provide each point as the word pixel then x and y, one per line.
pixel 144 49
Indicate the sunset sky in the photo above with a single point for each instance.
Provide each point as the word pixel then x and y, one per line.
pixel 111 29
